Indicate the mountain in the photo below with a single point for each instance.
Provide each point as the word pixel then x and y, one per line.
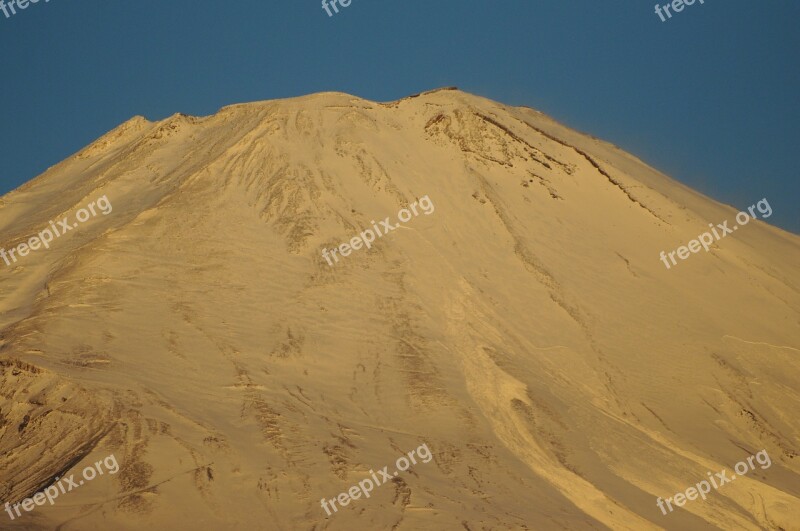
pixel 203 326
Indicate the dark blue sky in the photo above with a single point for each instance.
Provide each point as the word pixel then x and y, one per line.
pixel 710 97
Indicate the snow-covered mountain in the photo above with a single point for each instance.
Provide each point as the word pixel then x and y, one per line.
pixel 525 330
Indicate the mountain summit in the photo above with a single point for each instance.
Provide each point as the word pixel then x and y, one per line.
pixel 525 330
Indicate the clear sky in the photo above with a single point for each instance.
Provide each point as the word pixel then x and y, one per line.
pixel 710 96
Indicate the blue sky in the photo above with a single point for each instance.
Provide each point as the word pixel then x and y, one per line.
pixel 710 96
